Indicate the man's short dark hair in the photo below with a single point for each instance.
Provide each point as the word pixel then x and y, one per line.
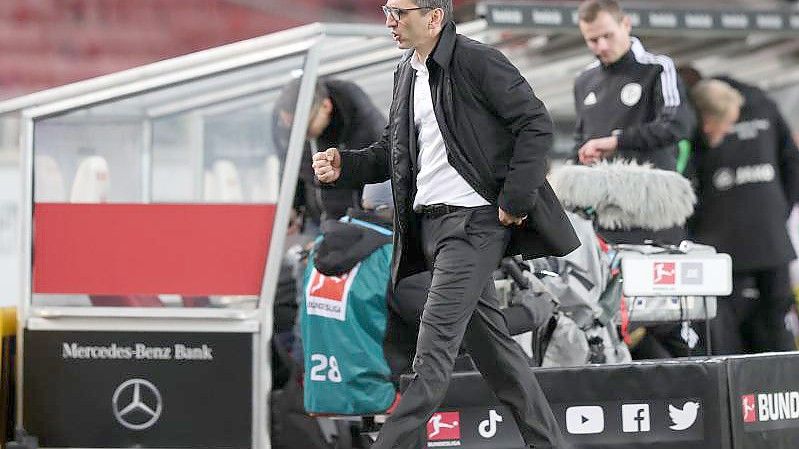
pixel 446 5
pixel 287 101
pixel 590 9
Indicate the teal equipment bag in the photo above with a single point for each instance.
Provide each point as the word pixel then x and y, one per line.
pixel 343 325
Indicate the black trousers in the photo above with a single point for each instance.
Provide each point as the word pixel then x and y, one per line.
pixel 405 307
pixel 462 249
pixel 747 323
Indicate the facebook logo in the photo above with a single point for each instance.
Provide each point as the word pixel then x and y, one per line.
pixel 635 418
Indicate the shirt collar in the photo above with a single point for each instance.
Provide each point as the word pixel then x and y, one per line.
pixel 418 65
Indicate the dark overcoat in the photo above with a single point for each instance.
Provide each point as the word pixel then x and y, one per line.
pixel 497 135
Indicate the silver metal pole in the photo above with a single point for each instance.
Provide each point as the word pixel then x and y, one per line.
pixel 275 257
pixel 25 251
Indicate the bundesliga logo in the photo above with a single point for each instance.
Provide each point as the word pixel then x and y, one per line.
pixel 770 406
pixel 748 405
pixel 444 430
pixel 328 287
pixel 664 273
pixel 326 296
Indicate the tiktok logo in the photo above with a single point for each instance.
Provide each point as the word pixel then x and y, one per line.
pixel 488 427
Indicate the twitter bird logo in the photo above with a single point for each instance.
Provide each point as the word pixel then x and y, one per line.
pixel 685 417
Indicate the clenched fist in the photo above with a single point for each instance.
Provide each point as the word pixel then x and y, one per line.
pixel 507 219
pixel 327 165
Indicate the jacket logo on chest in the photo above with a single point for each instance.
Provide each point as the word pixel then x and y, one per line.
pixel 590 99
pixel 630 94
pixel 750 129
pixel 726 178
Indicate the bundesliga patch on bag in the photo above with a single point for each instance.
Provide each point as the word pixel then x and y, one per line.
pixel 327 295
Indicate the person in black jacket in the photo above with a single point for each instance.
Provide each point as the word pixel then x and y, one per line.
pixel 630 103
pixel 466 151
pixel 342 116
pixel 747 182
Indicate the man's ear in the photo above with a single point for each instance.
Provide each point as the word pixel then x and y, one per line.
pixel 437 19
pixel 627 24
pixel 327 105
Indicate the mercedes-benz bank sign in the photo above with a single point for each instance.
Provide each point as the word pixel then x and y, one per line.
pixel 137 351
pixel 147 389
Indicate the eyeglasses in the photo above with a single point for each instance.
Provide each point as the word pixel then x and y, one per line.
pixel 397 13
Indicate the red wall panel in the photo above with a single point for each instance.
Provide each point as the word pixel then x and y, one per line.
pixel 147 249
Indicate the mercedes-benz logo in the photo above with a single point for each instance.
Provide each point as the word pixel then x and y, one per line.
pixel 137 404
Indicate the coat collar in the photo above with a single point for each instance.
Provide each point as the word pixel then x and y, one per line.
pixel 442 53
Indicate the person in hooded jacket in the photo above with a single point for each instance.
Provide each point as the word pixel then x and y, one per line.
pixel 343 316
pixel 354 245
pixel 747 182
pixel 365 331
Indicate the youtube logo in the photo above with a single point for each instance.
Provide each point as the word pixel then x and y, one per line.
pixel 585 420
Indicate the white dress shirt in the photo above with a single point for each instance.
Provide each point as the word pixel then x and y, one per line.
pixel 437 181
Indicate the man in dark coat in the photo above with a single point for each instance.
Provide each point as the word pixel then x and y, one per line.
pixel 466 151
pixel 747 182
pixel 342 116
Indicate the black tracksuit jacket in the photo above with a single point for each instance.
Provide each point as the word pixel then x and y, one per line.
pixel 747 186
pixel 640 99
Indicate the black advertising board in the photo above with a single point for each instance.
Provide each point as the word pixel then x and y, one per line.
pixel 138 389
pixel 764 398
pixel 648 404
pixel 655 405
pixel 549 15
